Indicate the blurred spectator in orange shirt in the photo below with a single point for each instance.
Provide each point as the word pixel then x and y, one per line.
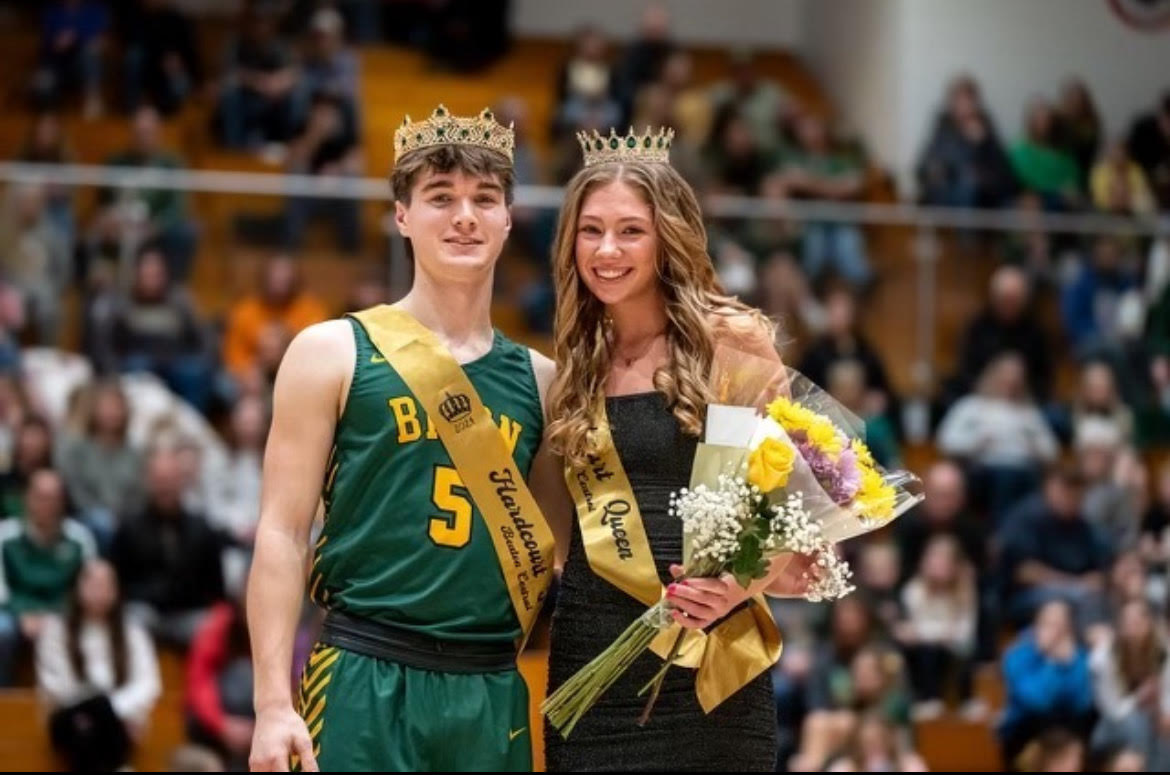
pixel 280 302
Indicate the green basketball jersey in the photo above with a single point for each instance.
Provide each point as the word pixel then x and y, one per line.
pixel 403 542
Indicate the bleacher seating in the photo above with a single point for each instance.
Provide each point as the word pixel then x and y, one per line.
pixel 396 82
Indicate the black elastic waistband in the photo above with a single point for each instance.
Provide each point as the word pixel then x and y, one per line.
pixel 414 649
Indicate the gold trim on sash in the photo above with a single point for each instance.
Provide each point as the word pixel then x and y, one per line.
pixel 520 534
pixel 614 537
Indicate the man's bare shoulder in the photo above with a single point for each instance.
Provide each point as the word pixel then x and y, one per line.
pixel 321 355
pixel 329 340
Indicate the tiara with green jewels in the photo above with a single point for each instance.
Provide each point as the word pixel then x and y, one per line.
pixel 648 147
pixel 442 128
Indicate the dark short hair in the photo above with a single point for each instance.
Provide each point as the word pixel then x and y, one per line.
pixel 468 159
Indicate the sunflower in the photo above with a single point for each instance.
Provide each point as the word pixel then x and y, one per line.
pixel 792 416
pixel 875 499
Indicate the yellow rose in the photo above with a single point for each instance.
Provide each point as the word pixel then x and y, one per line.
pixel 770 464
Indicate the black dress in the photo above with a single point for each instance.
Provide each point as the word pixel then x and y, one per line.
pixel 740 734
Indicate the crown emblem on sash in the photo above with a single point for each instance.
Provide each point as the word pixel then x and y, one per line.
pixel 455 407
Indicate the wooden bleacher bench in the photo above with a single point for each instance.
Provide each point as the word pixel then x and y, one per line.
pixel 25 742
pixel 949 744
pixel 989 686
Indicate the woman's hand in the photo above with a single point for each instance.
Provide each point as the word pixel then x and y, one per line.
pixel 699 602
pixel 792 575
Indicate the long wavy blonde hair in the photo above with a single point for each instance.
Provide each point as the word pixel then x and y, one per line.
pixel 694 297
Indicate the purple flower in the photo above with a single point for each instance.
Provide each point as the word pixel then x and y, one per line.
pixel 820 463
pixel 847 478
pixel 840 478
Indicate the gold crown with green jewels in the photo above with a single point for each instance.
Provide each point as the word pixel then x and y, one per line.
pixel 442 128
pixel 648 147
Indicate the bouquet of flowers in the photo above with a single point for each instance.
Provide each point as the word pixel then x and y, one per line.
pixel 784 469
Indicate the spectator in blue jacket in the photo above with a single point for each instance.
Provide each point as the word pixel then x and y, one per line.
pixel 1090 302
pixel 1048 684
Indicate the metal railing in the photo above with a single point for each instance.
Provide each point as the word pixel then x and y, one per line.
pixel 722 206
pixel 928 221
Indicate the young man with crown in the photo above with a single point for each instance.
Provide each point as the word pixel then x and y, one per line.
pixel 417 425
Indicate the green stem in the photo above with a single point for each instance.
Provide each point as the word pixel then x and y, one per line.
pixel 565 707
pixel 660 678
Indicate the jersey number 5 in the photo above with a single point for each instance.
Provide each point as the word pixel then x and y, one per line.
pixel 453 527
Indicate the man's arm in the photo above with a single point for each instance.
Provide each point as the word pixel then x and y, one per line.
pixel 546 479
pixel 309 390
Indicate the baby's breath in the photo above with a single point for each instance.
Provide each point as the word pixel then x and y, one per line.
pixel 713 518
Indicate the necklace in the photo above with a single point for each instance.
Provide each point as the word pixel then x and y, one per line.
pixel 628 361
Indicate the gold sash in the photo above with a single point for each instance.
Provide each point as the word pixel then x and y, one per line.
pixel 522 538
pixel 614 536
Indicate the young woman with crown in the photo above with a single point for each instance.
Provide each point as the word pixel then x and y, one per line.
pixel 640 312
